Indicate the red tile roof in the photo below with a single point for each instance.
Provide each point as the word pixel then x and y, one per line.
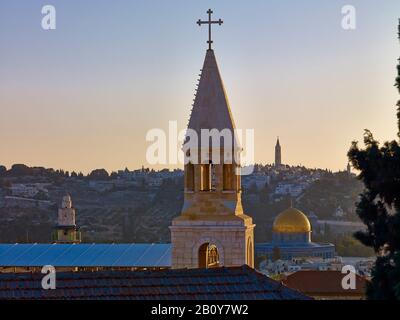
pixel 323 282
pixel 239 283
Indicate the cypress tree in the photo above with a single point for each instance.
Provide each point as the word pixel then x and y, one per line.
pixel 379 207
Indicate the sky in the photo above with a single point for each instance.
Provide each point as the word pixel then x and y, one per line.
pixel 84 96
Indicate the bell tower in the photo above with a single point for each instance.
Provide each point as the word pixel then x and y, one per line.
pixel 278 154
pixel 66 230
pixel 212 229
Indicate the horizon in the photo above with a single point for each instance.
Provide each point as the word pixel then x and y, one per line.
pixel 161 168
pixel 83 96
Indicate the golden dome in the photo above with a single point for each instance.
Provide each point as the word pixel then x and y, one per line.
pixel 291 221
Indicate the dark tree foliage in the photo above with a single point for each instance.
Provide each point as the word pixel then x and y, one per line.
pixel 99 174
pixel 18 170
pixel 379 208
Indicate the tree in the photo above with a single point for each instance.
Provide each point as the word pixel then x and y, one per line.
pixel 3 170
pixel 98 174
pixel 19 170
pixel 379 207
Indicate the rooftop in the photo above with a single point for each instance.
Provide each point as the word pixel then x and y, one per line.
pixel 235 283
pixel 323 283
pixel 85 255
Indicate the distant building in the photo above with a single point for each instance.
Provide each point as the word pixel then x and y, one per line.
pixel 154 182
pixel 336 227
pixel 339 213
pixel 291 189
pixel 349 168
pixel 326 285
pixel 28 190
pixel 21 202
pixel 296 264
pixel 256 181
pixel 292 238
pixel 66 230
pixel 278 154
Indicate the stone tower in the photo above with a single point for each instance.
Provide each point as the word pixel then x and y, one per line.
pixel 348 168
pixel 278 156
pixel 212 229
pixel 66 230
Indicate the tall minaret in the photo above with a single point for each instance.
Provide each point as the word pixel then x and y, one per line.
pixel 212 229
pixel 278 156
pixel 66 230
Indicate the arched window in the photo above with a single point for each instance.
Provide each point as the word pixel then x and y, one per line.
pixel 205 177
pixel 189 177
pixel 213 176
pixel 227 176
pixel 208 256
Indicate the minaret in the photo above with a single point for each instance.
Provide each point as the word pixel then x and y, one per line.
pixel 348 168
pixel 212 229
pixel 66 230
pixel 278 156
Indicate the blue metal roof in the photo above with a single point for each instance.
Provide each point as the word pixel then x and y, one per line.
pixel 85 255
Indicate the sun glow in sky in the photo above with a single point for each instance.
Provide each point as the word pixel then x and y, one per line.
pixel 83 96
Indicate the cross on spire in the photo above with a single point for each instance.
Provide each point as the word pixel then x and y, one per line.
pixel 209 22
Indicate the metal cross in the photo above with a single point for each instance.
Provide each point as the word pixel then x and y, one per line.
pixel 209 22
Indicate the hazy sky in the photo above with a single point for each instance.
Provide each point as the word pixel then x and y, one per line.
pixel 84 95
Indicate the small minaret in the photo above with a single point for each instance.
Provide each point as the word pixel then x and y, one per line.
pixel 66 230
pixel 278 157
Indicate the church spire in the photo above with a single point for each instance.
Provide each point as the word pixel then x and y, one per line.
pixel 211 108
